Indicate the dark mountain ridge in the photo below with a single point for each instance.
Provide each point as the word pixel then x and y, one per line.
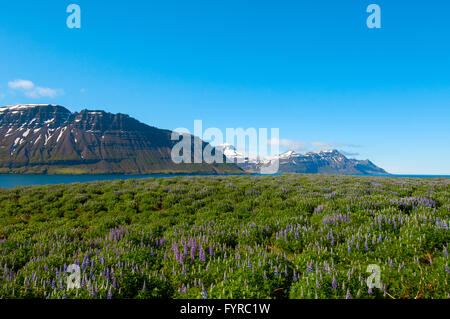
pixel 327 162
pixel 45 138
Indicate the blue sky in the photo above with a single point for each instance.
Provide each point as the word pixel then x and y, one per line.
pixel 311 68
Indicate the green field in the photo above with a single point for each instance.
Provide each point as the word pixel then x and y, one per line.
pixel 287 236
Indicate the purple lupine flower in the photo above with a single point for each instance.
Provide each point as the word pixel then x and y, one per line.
pixel 211 251
pixel 193 249
pixel 201 254
pixel 309 268
pixel 334 283
pixel 370 291
pixel 447 270
pixel 204 293
pixel 348 296
pixel 445 252
pixel 85 261
pixel 390 262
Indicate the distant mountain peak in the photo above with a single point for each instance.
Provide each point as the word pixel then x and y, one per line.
pixel 324 161
pixel 231 152
pixel 327 152
pixel 288 154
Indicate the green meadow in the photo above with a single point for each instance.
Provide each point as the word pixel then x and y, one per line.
pixel 286 236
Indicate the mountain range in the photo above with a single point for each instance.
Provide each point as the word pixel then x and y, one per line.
pixel 50 139
pixel 45 138
pixel 323 162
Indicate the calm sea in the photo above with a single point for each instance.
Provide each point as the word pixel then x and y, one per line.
pixel 13 180
pixel 10 180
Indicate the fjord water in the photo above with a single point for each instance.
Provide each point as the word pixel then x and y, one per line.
pixel 14 180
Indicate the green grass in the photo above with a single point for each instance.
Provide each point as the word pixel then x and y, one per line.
pixel 288 236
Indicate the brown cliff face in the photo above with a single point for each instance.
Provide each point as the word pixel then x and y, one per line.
pixel 51 139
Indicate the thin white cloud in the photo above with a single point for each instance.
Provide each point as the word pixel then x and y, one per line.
pixel 21 84
pixel 315 146
pixel 327 146
pixel 38 92
pixel 348 153
pixel 32 91
pixel 290 144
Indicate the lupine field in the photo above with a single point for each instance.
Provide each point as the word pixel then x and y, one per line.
pixel 286 236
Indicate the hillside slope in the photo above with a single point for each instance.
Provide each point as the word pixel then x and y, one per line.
pixel 51 139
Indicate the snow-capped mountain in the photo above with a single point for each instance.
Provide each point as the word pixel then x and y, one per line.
pixel 46 138
pixel 324 162
pixel 327 162
pixel 231 152
pixel 243 160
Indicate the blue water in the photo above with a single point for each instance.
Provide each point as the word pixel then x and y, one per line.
pixel 415 176
pixel 13 180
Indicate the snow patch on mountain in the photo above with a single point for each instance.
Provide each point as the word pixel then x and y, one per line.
pixel 323 161
pixel 21 107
